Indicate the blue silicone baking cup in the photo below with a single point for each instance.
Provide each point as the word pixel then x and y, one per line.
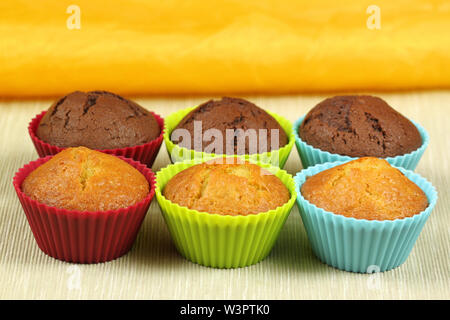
pixel 311 156
pixel 360 245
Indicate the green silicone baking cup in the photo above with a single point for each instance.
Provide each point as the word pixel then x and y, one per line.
pixel 178 154
pixel 222 241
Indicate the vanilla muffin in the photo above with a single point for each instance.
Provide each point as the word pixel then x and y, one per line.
pixel 227 189
pixel 86 180
pixel 366 188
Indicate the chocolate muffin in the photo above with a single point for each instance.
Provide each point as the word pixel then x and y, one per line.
pixel 232 117
pixel 359 126
pixel 97 120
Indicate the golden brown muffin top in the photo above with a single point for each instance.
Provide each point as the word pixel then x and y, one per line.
pixel 366 188
pixel 227 189
pixel 86 180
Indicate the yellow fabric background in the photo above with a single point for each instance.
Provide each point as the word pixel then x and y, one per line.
pixel 164 47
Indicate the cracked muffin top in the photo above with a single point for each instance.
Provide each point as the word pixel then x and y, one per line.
pixel 86 180
pixel 97 120
pixel 237 116
pixel 227 189
pixel 366 188
pixel 359 126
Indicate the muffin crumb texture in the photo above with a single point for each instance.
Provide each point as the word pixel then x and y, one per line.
pixel 233 114
pixel 86 180
pixel 366 188
pixel 227 189
pixel 359 126
pixel 98 120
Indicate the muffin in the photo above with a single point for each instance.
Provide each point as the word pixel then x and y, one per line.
pixel 363 215
pixel 367 188
pixel 227 189
pixel 235 116
pixel 359 126
pixel 84 206
pixel 97 120
pixel 224 214
pixel 86 180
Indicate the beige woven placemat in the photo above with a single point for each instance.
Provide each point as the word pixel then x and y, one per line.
pixel 154 270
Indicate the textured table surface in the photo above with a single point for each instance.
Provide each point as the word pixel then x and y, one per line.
pixel 154 270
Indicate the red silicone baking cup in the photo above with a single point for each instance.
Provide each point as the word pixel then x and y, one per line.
pixel 144 153
pixel 83 236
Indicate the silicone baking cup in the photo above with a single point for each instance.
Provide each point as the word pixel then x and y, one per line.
pixel 178 154
pixel 82 236
pixel 144 153
pixel 311 156
pixel 222 241
pixel 361 245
